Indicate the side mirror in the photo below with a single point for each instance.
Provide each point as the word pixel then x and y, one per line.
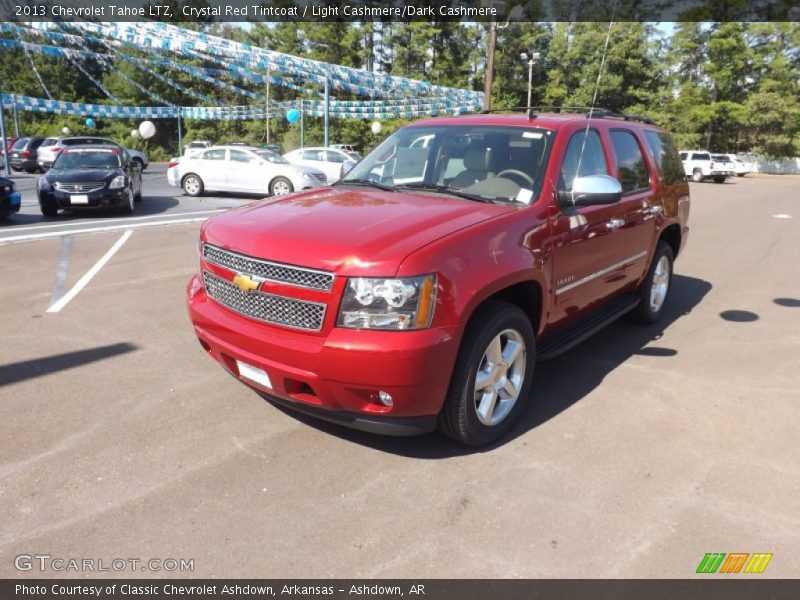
pixel 591 190
pixel 347 166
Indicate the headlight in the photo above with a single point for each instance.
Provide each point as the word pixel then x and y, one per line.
pixel 42 184
pixel 117 183
pixel 370 303
pixel 308 176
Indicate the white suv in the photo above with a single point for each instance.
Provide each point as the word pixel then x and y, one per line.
pixel 699 165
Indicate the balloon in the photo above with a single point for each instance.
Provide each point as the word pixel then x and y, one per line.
pixel 376 127
pixel 147 129
pixel 90 123
pixel 134 133
pixel 65 130
pixel 292 115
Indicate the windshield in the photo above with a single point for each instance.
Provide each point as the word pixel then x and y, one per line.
pixel 490 163
pixel 87 159
pixel 272 157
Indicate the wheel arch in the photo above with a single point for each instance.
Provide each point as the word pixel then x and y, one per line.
pixel 525 292
pixel 672 236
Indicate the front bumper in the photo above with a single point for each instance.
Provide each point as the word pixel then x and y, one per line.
pixel 336 374
pixel 103 198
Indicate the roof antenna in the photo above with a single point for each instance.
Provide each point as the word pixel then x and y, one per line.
pixel 591 108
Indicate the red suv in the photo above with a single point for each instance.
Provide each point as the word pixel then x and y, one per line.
pixel 419 291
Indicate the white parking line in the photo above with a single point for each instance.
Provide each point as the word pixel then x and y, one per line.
pixel 50 234
pixel 62 302
pixel 126 220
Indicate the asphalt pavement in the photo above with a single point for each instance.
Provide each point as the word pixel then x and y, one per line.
pixel 642 450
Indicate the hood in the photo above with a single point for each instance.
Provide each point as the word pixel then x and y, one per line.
pixel 347 230
pixel 82 175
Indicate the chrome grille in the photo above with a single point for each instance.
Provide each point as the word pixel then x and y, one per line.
pixel 269 308
pixel 264 269
pixel 79 188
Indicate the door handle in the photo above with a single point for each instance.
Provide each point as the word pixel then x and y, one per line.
pixel 654 210
pixel 615 224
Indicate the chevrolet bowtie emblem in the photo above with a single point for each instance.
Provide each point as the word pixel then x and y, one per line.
pixel 246 283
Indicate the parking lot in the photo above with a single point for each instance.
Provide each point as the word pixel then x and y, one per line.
pixel 642 449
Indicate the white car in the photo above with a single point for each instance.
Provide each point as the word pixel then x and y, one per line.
pixel 699 165
pixel 327 160
pixel 741 164
pixel 723 162
pixel 241 169
pixel 192 149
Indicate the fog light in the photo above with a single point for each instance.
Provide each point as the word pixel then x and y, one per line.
pixel 385 398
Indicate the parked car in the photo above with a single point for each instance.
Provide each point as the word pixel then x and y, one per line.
pixel 10 141
pixel 725 164
pixel 403 307
pixel 241 169
pixel 23 154
pixel 10 199
pixel 699 165
pixel 50 149
pixel 742 165
pixel 96 176
pixel 327 160
pixel 192 149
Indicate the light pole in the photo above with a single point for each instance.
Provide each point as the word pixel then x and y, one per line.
pixel 534 56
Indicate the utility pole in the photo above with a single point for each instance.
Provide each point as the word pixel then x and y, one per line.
pixel 489 76
pixel 16 117
pixel 3 135
pixel 268 78
pixel 302 133
pixel 180 133
pixel 534 56
pixel 327 105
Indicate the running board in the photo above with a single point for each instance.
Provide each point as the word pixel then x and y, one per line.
pixel 572 335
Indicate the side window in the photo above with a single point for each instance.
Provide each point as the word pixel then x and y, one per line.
pixel 593 161
pixel 239 156
pixel 312 155
pixel 633 174
pixel 125 157
pixel 701 156
pixel 666 155
pixel 216 154
pixel 335 157
pixel 684 155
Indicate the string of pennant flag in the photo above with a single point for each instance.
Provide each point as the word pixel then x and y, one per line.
pixel 398 97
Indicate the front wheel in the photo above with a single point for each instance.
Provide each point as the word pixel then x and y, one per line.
pixel 654 290
pixel 697 176
pixel 280 186
pixel 127 208
pixel 49 210
pixel 492 377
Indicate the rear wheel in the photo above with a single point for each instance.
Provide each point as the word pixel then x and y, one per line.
pixel 192 185
pixel 492 377
pixel 654 290
pixel 280 186
pixel 719 179
pixel 697 175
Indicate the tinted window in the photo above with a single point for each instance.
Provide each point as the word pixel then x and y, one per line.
pixel 216 154
pixel 240 156
pixel 666 155
pixel 633 174
pixel 20 144
pixel 701 156
pixel 683 155
pixel 593 161
pixel 312 155
pixel 335 157
pixel 48 142
pixel 87 159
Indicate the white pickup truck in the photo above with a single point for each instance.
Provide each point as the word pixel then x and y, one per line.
pixel 699 165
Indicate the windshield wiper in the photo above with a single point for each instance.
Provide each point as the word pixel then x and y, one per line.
pixel 444 189
pixel 366 182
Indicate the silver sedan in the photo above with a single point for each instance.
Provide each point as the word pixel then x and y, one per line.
pixel 241 169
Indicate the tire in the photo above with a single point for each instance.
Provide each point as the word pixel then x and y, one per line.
pixel 740 174
pixel 653 300
pixel 697 175
pixel 460 418
pixel 719 180
pixel 280 186
pixel 49 210
pixel 127 208
pixel 192 185
pixel 31 171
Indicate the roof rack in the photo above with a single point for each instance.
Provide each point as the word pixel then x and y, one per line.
pixel 590 113
pixel 601 113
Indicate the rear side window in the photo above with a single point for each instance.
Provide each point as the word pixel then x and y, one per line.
pixel 592 162
pixel 20 144
pixel 701 156
pixel 666 155
pixel 633 174
pixel 312 155
pixel 48 142
pixel 216 154
pixel 684 155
